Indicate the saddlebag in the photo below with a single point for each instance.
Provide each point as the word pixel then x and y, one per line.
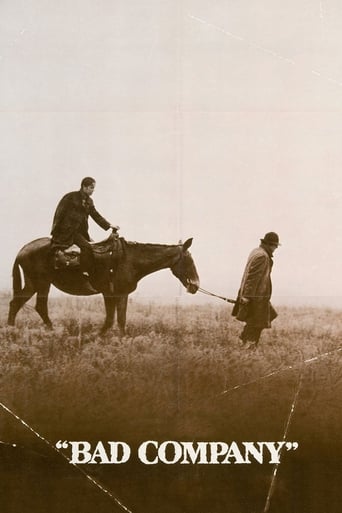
pixel 69 257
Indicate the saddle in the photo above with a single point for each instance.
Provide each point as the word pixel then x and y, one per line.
pixel 106 252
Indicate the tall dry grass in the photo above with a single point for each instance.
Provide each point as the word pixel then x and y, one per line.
pixel 179 374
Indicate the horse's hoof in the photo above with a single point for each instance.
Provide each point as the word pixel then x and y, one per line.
pixel 11 319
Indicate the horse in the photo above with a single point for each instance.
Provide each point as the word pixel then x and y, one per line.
pixel 133 262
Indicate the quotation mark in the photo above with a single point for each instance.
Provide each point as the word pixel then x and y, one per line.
pixel 62 445
pixel 291 445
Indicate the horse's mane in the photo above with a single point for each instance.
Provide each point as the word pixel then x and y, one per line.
pixel 148 244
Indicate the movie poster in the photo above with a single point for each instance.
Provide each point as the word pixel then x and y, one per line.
pixel 206 126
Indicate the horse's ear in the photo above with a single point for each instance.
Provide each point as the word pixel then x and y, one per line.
pixel 187 244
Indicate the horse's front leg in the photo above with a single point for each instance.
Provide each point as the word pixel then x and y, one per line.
pixel 121 313
pixel 109 302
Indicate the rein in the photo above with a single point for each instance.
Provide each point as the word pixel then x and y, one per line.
pixel 215 295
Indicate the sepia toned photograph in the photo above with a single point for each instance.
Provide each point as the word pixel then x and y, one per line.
pixel 170 292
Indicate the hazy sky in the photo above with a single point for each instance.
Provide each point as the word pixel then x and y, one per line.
pixel 219 120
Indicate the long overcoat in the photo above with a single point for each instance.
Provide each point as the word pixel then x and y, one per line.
pixel 256 286
pixel 71 217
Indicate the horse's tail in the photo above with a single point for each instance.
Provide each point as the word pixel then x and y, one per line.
pixel 17 286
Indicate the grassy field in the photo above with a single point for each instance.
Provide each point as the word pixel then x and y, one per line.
pixel 171 378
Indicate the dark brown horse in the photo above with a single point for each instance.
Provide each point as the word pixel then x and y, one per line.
pixel 135 261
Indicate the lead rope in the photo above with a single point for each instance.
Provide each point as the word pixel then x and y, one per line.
pixel 206 292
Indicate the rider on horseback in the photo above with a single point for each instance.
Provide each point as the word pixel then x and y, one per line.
pixel 70 222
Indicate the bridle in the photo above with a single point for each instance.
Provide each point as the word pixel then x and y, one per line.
pixel 178 262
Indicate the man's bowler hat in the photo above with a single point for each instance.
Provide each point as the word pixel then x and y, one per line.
pixel 271 238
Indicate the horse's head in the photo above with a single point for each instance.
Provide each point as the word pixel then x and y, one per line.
pixel 185 270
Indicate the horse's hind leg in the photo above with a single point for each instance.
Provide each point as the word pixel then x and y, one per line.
pixel 19 300
pixel 42 304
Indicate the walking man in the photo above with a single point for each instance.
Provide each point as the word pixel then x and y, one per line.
pixel 253 304
pixel 70 222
